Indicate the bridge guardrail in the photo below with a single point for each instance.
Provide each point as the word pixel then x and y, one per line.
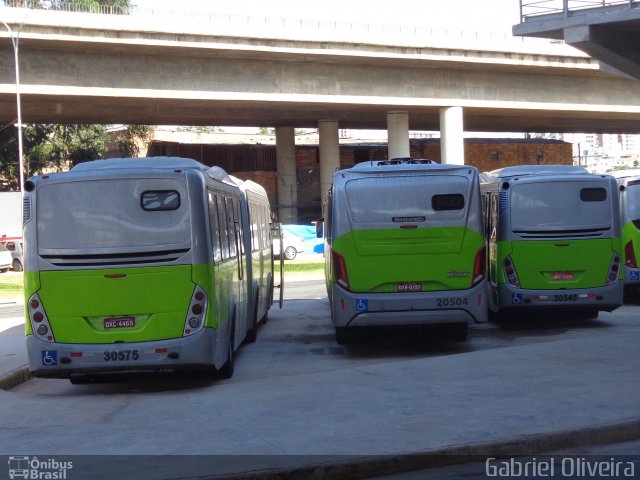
pixel 536 8
pixel 292 28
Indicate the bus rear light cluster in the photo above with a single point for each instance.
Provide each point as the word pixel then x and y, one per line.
pixel 196 313
pixel 479 266
pixel 614 270
pixel 38 318
pixel 510 273
pixel 340 270
pixel 630 255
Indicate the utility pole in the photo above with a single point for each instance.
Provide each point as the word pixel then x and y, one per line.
pixel 15 39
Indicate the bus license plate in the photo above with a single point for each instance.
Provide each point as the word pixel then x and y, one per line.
pixel 409 287
pixel 563 275
pixel 119 322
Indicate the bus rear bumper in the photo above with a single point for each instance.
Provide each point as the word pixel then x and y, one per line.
pixel 399 309
pixel 606 298
pixel 61 360
pixel 632 276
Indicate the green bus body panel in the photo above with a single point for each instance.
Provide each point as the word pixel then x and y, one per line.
pixel 78 301
pixel 536 262
pixel 630 233
pixel 439 258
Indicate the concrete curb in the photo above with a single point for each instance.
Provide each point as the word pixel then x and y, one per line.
pixel 15 377
pixel 371 466
pixel 526 445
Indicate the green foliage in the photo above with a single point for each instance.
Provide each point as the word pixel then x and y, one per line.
pixel 50 147
pixel 129 141
pixel 112 7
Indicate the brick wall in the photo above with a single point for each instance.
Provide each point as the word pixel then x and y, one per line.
pixel 484 154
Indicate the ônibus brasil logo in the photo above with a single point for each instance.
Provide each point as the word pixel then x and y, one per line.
pixel 38 469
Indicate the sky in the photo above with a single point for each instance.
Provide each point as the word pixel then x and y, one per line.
pixel 474 15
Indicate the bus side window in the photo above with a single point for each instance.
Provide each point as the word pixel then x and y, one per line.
pixel 231 228
pixel 493 219
pixel 237 213
pixel 222 224
pixel 264 229
pixel 253 214
pixel 215 230
pixel 266 216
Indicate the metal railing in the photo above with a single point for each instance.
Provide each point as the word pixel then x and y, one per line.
pixel 289 27
pixel 535 8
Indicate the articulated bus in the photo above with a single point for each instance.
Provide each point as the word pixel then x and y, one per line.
pixel 553 234
pixel 150 264
pixel 629 186
pixel 404 246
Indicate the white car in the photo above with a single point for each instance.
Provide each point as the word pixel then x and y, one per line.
pixel 291 246
pixel 5 259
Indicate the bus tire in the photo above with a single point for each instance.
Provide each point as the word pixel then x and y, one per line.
pixel 252 333
pixel 81 379
pixel 226 372
pixel 343 336
pixel 459 332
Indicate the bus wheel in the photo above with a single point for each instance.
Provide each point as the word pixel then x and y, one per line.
pixel 343 336
pixel 459 333
pixel 80 379
pixel 252 334
pixel 226 372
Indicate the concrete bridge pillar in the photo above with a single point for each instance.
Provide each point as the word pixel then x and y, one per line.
pixel 398 134
pixel 329 154
pixel 451 135
pixel 286 175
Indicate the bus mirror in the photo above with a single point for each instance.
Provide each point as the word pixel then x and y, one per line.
pixel 319 228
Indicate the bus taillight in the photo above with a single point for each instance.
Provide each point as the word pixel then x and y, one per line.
pixel 630 255
pixel 614 268
pixel 510 272
pixel 340 270
pixel 39 321
pixel 197 310
pixel 479 266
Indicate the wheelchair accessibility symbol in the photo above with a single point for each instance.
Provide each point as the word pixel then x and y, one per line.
pixel 49 358
pixel 634 275
pixel 362 304
pixel 516 299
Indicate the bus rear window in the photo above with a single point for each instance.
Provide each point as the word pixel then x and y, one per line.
pixel 452 201
pixel 160 200
pixel 593 194
pixel 429 199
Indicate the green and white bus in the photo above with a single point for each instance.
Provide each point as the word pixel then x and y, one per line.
pixel 629 186
pixel 553 234
pixel 404 246
pixel 150 264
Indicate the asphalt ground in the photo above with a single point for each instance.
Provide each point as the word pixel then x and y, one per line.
pixel 355 421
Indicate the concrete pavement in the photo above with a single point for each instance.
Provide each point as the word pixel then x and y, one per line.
pixel 360 421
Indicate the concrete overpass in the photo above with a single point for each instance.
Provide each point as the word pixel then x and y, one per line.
pixel 608 31
pixel 126 69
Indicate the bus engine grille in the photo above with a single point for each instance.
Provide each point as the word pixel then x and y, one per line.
pixel 102 260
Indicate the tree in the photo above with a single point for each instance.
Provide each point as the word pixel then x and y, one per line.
pixel 113 7
pixel 131 137
pixel 50 147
